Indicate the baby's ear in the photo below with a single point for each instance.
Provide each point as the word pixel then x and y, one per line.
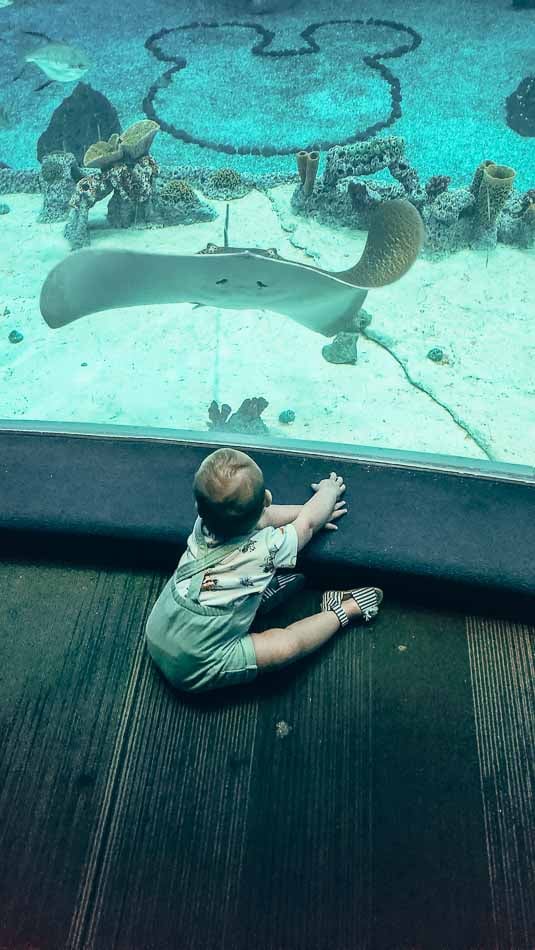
pixel 268 498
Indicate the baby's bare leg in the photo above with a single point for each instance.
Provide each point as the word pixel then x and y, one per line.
pixel 281 646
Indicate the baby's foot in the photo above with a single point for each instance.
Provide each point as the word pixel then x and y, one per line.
pixel 350 604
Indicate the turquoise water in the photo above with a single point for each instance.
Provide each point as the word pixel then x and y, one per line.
pixel 246 91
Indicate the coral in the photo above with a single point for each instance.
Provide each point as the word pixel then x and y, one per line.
pixel 516 224
pixel 343 349
pixel 528 200
pixel 302 160
pixel 57 186
pixel 436 185
pixel 87 192
pixel 132 190
pixel 448 221
pixel 131 185
pixel 367 195
pixel 246 420
pixel 175 202
pixel 138 138
pixel 313 160
pixel 52 168
pixel 341 196
pixel 478 174
pixel 287 416
pixel 224 183
pixel 76 230
pixel 15 337
pixel 307 168
pixel 104 154
pixel 494 189
pixel 13 181
pixel 83 117
pixel 225 178
pixel 132 145
pixel 406 175
pixel 363 158
pixel 177 191
pixel 132 182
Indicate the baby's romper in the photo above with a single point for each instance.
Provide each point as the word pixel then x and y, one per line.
pixel 198 647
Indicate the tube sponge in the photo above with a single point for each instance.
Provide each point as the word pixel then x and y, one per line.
pixel 313 160
pixel 302 159
pixel 478 174
pixel 494 189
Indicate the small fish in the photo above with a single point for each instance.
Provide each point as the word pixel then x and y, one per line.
pixel 60 62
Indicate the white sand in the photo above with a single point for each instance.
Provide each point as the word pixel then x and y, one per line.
pixel 161 366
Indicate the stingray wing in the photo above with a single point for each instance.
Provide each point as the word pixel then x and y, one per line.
pixel 90 281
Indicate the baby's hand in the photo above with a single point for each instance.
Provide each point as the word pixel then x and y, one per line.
pixel 334 481
pixel 339 509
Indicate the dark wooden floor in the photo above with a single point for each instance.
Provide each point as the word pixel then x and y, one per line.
pixel 375 796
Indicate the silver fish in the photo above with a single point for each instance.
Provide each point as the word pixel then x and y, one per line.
pixel 59 61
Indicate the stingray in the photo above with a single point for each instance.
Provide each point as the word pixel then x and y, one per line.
pixel 90 281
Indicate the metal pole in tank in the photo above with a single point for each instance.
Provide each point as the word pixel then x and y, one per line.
pixel 215 394
pixel 225 231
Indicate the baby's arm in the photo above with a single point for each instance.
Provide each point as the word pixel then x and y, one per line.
pixel 320 509
pixel 278 515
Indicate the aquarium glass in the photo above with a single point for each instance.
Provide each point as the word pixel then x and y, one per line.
pixel 360 178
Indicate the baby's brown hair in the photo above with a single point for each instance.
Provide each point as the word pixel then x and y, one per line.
pixel 230 493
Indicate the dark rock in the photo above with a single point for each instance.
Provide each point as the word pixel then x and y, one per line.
pixel 4 209
pixel 361 320
pixel 15 336
pixel 436 355
pixel 246 420
pixel 83 118
pixel 287 416
pixel 520 107
pixel 343 349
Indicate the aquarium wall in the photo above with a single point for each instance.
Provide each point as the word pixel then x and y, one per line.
pixel 294 222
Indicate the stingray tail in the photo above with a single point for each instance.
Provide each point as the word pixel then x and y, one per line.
pixel 394 241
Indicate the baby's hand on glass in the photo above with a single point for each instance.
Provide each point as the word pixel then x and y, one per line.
pixel 339 509
pixel 334 482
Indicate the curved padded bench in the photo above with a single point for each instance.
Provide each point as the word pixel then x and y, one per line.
pixel 431 532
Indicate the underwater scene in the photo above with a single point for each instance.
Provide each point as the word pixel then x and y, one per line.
pixel 308 222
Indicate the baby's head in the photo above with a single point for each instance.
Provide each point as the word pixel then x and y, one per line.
pixel 230 493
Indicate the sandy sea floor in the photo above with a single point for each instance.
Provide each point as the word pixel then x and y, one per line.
pixel 162 366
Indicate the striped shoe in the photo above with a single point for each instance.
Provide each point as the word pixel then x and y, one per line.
pixel 367 598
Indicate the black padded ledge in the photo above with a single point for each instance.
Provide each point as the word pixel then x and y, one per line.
pixel 429 532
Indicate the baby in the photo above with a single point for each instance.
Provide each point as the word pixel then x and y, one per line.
pixel 198 630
